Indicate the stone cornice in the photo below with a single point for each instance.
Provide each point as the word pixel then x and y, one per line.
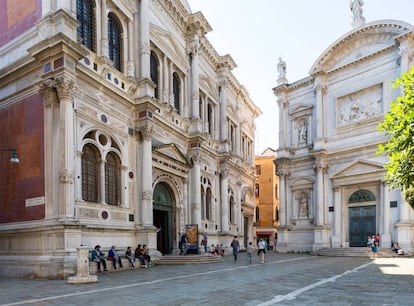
pixel 392 27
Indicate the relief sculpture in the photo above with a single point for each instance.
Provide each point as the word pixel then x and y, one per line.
pixel 358 106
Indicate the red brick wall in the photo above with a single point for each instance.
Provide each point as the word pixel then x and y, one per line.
pixel 16 17
pixel 21 127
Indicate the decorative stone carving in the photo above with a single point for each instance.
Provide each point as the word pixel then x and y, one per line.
pixel 147 195
pixel 281 70
pixel 65 87
pixel 146 131
pixel 303 206
pixel 145 48
pixel 358 106
pixel 303 133
pixel 66 176
pixel 194 45
pixel 356 9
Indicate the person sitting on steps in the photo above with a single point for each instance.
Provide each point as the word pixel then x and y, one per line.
pixel 114 257
pixel 98 257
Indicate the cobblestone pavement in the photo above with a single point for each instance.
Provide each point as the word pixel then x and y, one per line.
pixel 285 279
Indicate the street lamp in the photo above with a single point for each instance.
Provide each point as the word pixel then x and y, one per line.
pixel 14 157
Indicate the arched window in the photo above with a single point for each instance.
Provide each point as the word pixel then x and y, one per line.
pixel 176 91
pixel 154 73
pixel 257 214
pixel 203 196
pixel 90 173
pixel 257 190
pixel 112 179
pixel 210 119
pixel 208 203
pixel 231 209
pixel 85 15
pixel 115 41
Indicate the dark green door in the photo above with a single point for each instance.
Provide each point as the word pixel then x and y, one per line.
pixel 361 224
pixel 163 217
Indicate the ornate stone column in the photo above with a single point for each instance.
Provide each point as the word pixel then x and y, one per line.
pixel 104 30
pixel 282 196
pixel 224 199
pixel 144 40
pixel 223 109
pixel 51 143
pixel 166 73
pixel 320 198
pixel 336 237
pixel 194 52
pixel 320 88
pixel 196 187
pixel 386 212
pixel 65 87
pixel 184 218
pixel 238 213
pixel 283 117
pixel 131 41
pixel 145 164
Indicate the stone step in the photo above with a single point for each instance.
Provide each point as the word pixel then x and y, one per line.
pixel 188 259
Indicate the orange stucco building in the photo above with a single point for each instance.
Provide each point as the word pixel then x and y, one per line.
pixel 267 197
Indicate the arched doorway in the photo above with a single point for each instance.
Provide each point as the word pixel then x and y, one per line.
pixel 163 217
pixel 362 217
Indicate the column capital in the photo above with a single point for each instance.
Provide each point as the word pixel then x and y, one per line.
pixel 320 84
pixel 65 87
pixel 145 131
pixel 194 45
pixel 48 90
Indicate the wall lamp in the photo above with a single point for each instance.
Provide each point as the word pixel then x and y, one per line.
pixel 14 157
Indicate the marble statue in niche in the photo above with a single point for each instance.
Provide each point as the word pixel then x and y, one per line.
pixel 303 133
pixel 303 206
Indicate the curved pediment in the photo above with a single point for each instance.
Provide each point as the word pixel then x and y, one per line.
pixel 360 43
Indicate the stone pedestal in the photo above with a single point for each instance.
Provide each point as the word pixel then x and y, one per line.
pixel 82 275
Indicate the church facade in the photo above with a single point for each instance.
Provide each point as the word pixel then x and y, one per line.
pixel 128 125
pixel 332 188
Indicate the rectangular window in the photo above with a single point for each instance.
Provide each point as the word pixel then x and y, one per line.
pixel 258 169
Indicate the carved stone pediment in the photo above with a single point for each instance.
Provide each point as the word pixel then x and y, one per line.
pixel 172 153
pixel 301 109
pixel 168 45
pixel 360 43
pixel 360 167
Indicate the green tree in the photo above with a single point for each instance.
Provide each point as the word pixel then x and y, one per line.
pixel 398 125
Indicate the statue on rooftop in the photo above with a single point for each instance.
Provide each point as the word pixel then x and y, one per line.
pixel 356 9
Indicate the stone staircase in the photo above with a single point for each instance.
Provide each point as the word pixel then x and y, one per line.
pixel 188 259
pixel 355 252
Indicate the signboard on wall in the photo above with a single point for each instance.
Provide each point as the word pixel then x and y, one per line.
pixel 192 237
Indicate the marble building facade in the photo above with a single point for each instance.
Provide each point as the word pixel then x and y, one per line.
pixel 129 126
pixel 332 188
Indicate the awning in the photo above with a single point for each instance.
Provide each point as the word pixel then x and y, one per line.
pixel 264 233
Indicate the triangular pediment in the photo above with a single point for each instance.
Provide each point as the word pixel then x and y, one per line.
pixel 360 167
pixel 207 84
pixel 168 45
pixel 360 43
pixel 300 108
pixel 172 153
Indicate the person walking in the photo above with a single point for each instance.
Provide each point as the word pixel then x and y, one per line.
pixel 249 253
pixel 261 250
pixel 236 247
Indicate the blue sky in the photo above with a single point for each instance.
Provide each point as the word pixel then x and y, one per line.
pixel 257 32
